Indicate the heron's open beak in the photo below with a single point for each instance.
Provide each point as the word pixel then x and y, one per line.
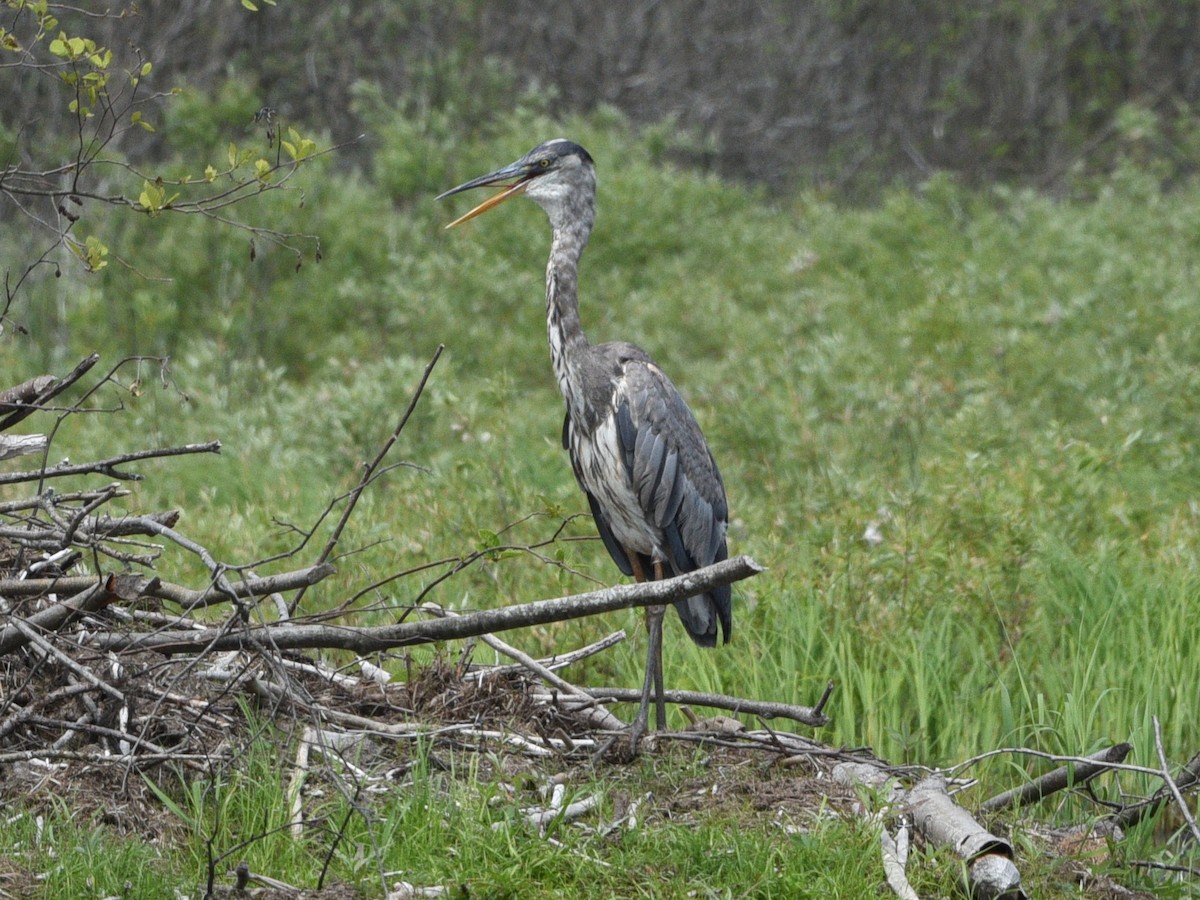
pixel 518 170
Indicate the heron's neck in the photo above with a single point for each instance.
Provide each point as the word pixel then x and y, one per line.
pixel 563 328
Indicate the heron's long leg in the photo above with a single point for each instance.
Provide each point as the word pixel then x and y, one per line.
pixel 653 680
pixel 654 625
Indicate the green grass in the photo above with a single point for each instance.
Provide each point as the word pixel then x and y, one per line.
pixel 1005 384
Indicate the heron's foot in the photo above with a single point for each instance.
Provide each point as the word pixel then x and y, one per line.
pixel 636 731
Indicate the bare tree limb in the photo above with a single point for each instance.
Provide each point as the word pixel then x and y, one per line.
pixel 21 445
pixel 57 616
pixel 1188 776
pixel 288 636
pixel 1073 774
pixel 153 587
pixel 108 466
pixel 806 715
pixel 1170 782
pixel 599 717
pixel 49 389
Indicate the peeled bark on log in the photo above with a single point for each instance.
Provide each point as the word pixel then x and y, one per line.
pixel 1073 774
pixel 991 872
pixel 21 444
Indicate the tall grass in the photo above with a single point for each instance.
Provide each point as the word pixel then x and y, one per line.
pixel 998 388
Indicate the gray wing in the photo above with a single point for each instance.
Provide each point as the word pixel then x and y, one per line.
pixel 677 484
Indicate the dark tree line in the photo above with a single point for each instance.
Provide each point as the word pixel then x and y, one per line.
pixel 845 94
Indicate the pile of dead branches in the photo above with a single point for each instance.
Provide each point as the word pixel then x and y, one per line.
pixel 108 663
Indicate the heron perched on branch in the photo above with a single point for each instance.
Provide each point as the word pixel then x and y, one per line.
pixel 652 484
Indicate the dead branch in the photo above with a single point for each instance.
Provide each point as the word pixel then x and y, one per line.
pixel 138 586
pixel 25 393
pixel 40 390
pixel 369 470
pixel 1170 782
pixel 12 445
pixel 1071 775
pixel 895 860
pixel 57 616
pixel 806 715
pixel 553 663
pixel 108 467
pixel 288 636
pixel 598 716
pixel 1188 776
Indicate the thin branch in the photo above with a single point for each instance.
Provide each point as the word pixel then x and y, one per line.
pixel 806 715
pixel 108 466
pixel 369 470
pixel 1170 782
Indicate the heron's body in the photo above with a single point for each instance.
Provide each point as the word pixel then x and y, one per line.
pixel 653 487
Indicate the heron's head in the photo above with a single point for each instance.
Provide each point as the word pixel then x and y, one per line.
pixel 555 175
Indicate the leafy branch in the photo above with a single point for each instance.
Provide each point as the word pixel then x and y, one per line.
pixel 105 99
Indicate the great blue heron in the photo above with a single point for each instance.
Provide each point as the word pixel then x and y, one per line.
pixel 637 452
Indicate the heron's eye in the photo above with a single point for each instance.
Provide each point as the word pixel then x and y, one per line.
pixel 544 163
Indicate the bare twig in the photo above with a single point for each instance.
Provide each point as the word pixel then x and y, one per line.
pixel 553 663
pixel 369 470
pixel 1170 782
pixel 1129 816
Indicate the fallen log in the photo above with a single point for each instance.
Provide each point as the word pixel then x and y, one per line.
pixel 1072 774
pixel 991 872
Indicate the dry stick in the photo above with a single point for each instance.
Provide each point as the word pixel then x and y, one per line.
pixel 12 445
pixel 806 715
pixel 597 716
pixel 273 692
pixel 954 770
pixel 888 791
pixel 42 701
pixel 1057 780
pixel 108 466
pixel 184 596
pixel 1174 788
pixel 45 646
pixel 35 502
pixel 47 390
pixel 558 661
pixel 895 859
pixel 133 740
pixel 25 393
pixel 54 618
pixel 369 471
pixel 1135 812
pixel 289 636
